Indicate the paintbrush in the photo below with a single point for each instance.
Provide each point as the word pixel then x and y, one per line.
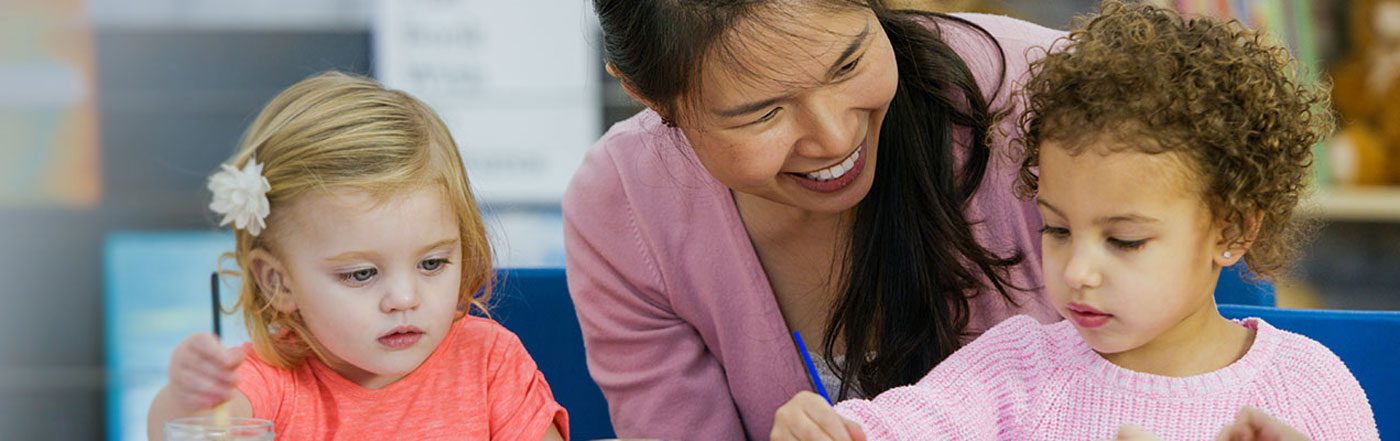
pixel 221 419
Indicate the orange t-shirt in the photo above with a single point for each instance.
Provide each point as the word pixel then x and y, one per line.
pixel 479 384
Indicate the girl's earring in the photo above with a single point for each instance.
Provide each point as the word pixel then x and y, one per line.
pixel 1228 255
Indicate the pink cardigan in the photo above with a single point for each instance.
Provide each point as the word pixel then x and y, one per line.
pixel 683 333
pixel 1027 381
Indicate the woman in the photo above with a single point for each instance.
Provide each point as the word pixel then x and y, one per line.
pixel 747 203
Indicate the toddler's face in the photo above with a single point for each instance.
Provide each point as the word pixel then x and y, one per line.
pixel 1129 245
pixel 376 282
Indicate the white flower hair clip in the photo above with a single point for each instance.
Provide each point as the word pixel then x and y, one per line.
pixel 241 196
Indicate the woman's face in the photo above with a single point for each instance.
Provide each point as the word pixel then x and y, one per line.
pixel 792 113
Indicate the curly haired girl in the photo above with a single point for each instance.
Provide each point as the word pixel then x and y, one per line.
pixel 1159 150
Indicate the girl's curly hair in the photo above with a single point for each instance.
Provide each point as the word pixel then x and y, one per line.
pixel 1221 94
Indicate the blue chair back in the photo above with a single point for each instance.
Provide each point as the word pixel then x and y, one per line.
pixel 535 305
pixel 155 293
pixel 1232 289
pixel 1364 340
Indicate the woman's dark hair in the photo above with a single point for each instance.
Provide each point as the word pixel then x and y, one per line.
pixel 910 248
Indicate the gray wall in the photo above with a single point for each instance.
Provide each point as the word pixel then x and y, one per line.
pixel 172 106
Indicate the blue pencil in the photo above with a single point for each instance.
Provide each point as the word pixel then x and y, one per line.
pixel 811 368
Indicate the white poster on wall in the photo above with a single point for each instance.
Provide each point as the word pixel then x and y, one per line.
pixel 515 81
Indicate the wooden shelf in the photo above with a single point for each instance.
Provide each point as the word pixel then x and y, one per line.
pixel 1366 204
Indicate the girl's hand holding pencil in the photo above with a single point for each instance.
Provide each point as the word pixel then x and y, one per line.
pixel 203 383
pixel 810 417
pixel 202 372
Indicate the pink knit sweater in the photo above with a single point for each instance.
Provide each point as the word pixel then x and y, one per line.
pixel 1026 381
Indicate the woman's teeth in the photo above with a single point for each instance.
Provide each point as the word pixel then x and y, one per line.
pixel 835 171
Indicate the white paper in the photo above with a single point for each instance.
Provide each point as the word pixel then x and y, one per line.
pixel 515 81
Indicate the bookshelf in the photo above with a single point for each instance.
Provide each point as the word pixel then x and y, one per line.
pixel 1300 25
pixel 1355 204
pixel 1306 28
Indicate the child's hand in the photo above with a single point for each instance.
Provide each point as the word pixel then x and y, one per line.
pixel 1254 424
pixel 202 372
pixel 808 417
pixel 1129 432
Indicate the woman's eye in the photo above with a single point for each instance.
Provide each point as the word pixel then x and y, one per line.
pixel 768 116
pixel 848 67
pixel 360 276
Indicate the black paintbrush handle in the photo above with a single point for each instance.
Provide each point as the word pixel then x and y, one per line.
pixel 214 292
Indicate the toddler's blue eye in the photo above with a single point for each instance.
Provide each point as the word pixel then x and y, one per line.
pixel 360 275
pixel 432 264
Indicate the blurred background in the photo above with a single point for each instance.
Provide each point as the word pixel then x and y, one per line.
pixel 114 112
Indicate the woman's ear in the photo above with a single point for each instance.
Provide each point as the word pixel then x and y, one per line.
pixel 271 276
pixel 630 88
pixel 668 120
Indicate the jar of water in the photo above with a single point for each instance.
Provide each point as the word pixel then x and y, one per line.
pixel 210 429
